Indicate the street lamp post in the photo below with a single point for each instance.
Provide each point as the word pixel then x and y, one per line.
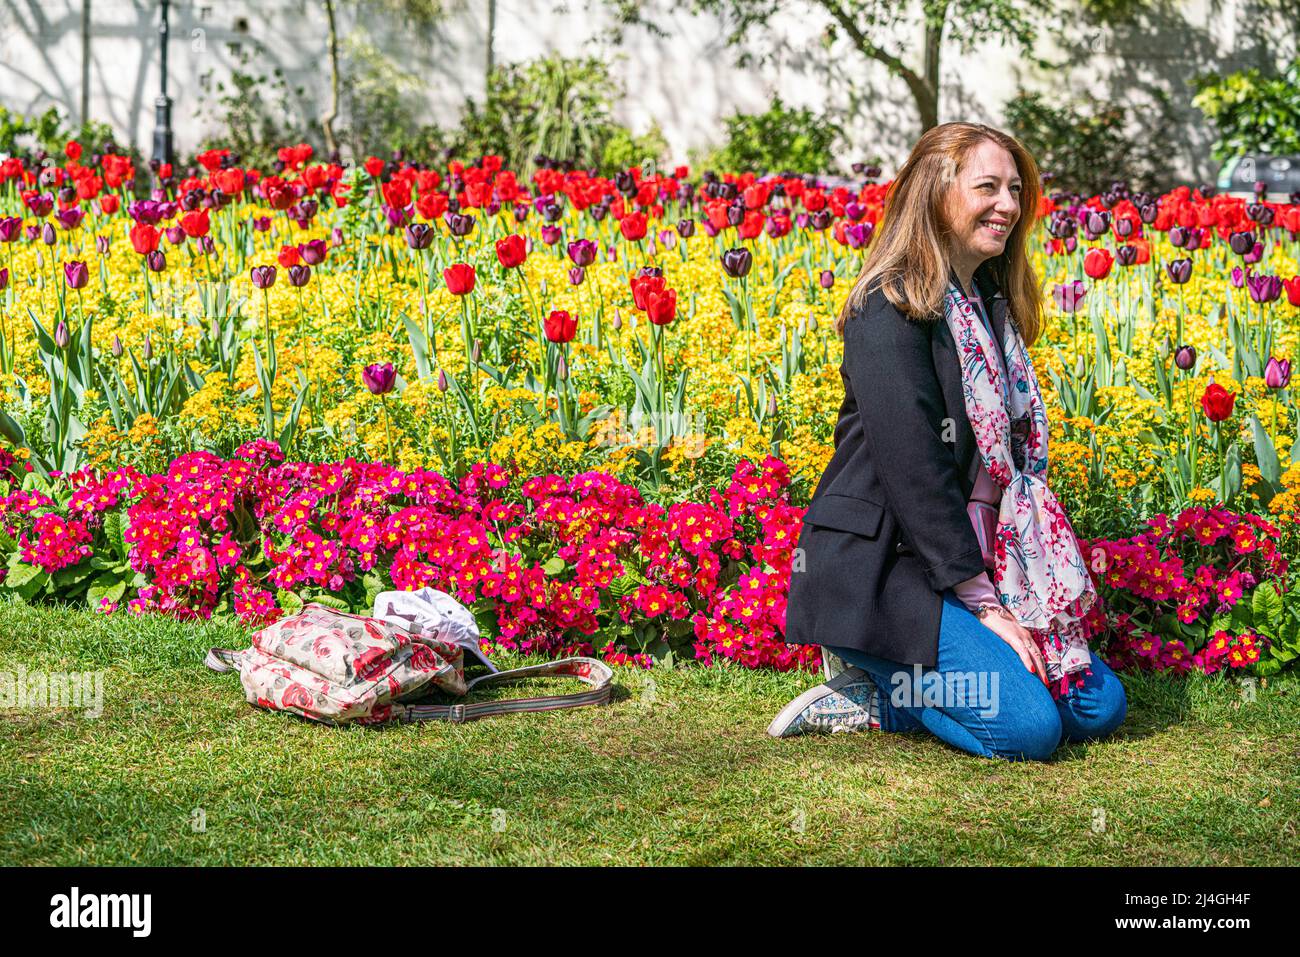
pixel 162 133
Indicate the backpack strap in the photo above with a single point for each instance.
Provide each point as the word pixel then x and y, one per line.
pixel 595 673
pixel 223 659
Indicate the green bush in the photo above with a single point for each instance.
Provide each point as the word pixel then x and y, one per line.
pixel 1252 112
pixel 777 139
pixel 1085 149
pixel 553 106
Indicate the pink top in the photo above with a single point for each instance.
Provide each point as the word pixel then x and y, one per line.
pixel 979 590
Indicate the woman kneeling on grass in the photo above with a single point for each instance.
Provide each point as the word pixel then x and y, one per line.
pixel 936 568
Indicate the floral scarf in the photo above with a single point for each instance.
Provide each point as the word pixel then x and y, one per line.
pixel 1040 574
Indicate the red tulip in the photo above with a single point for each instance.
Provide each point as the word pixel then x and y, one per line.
pixel 560 326
pixel 374 166
pixel 661 308
pixel 144 238
pixel 633 226
pixel 288 256
pixel 643 287
pixel 1097 263
pixel 109 204
pixel 1292 287
pixel 196 223
pixel 1217 402
pixel 460 279
pixel 511 251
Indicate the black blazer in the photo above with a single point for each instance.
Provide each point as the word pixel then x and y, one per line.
pixel 887 532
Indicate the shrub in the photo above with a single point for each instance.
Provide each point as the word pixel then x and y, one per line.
pixel 779 138
pixel 1086 149
pixel 1252 112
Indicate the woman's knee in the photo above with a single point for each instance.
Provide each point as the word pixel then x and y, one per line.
pixel 1096 708
pixel 1032 733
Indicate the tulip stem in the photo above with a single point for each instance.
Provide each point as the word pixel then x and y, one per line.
pixel 388 434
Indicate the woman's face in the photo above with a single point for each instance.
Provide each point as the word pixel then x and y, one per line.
pixel 983 204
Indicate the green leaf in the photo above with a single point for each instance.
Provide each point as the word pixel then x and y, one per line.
pixel 20 573
pixel 1267 608
pixel 555 566
pixel 105 585
pixel 1265 453
pixel 289 601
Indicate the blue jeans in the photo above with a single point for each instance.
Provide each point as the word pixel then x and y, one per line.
pixel 981 698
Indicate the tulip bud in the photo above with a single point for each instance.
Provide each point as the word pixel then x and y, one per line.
pixel 442 380
pixel 1277 374
pixel 827 279
pixel 148 347
pixel 1185 357
pixel 117 347
pixel 379 377
pixel 478 350
pixel 61 337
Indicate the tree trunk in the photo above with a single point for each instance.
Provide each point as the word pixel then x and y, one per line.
pixel 85 62
pixel 327 121
pixel 927 101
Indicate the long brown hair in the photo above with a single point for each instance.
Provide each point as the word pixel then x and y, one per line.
pixel 908 258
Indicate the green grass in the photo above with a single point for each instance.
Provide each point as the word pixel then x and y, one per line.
pixel 683 775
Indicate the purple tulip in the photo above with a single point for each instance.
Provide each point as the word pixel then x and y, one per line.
pixel 1264 289
pixel 313 252
pixel 207 246
pixel 70 218
pixel 155 260
pixel 737 262
pixel 686 228
pixel 75 274
pixel 10 228
pixel 1185 357
pixel 175 235
pixel 576 275
pixel 102 245
pixel 1126 255
pixel 1238 277
pixel 117 347
pixel 379 377
pixel 47 235
pixel 1177 236
pixel 336 237
pixel 1255 254
pixel 460 224
pixel 582 252
pixel 667 238
pixel 41 205
pixel 4 279
pixel 551 234
pixel 826 279
pixel 147 350
pixel 299 275
pixel 61 337
pixel 263 276
pixel 418 235
pixel 1069 296
pixel 442 378
pixel 1242 242
pixel 32 233
pixel 859 234
pixel 1179 270
pixel 262 223
pixel 1277 374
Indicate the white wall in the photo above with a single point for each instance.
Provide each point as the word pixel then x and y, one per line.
pixel 687 82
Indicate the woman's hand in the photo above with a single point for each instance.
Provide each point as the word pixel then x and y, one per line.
pixel 1018 637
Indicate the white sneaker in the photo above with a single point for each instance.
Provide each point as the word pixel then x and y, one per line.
pixel 847 702
pixel 832 664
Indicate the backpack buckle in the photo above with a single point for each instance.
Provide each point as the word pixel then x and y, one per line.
pixel 456 714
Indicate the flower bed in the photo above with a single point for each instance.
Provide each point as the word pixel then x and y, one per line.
pixel 549 564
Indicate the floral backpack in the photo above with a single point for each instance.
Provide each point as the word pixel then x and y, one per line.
pixel 335 667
